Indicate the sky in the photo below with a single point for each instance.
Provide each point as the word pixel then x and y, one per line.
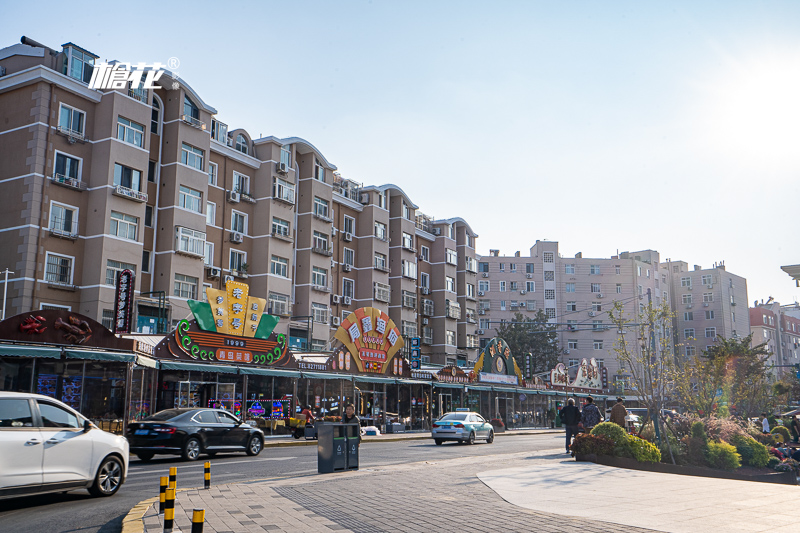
pixel 606 126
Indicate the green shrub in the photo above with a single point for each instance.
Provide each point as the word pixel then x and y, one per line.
pixel 678 451
pixel 753 453
pixel 698 431
pixel 648 432
pixel 611 431
pixel 783 431
pixel 723 456
pixel 592 444
pixel 773 462
pixel 642 450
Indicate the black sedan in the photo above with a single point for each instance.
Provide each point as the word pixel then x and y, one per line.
pixel 190 432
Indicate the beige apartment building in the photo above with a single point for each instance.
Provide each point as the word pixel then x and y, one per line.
pixel 575 293
pixel 154 181
pixel 774 326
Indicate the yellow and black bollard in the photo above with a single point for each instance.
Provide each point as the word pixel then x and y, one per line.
pixel 162 494
pixel 169 511
pixel 198 519
pixel 173 477
pixel 207 475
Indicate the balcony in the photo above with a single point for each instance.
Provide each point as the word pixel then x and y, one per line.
pixel 282 236
pixel 138 94
pixel 130 194
pixel 322 250
pixel 194 122
pixel 70 183
pixel 424 222
pixel 64 230
pixel 240 273
pixel 382 268
pixel 247 197
pixel 61 284
pixel 321 288
pixel 383 238
pixel 348 189
pixel 72 135
pixel 409 248
pixel 322 215
pixel 285 196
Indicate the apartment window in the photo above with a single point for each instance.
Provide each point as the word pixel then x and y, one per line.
pixel 595 287
pixel 321 207
pixel 502 267
pixel 513 285
pixel 348 288
pixel 711 333
pixel 123 225
pixel 529 268
pixel 63 219
pixel 319 171
pixel 530 305
pixel 705 279
pixel 409 269
pixel 470 290
pixel 320 241
pixel 424 280
pixel 382 292
pixel 408 241
pixel 113 268
pixel 237 261
pixel 572 344
pixel 211 213
pixel 190 109
pixel 58 269
pixel 569 268
pixel 190 199
pixel 239 222
pixel 127 177
pixel 212 173
pixel 382 200
pixel 686 282
pixel 192 156
pixel 688 315
pixel 427 307
pixel 483 267
pixel 710 315
pixel 349 256
pixel 154 116
pixel 483 323
pixel 572 306
pixel 80 65
pixel 151 171
pixel 483 285
pixel 513 267
pixel 208 253
pixel 597 307
pixel 67 167
pixel 450 337
pixel 549 294
pixel 617 270
pixel 548 257
pixel 409 299
pixel 686 299
pixel 619 288
pixel 278 304
pixel 484 304
pixel 406 211
pixel 594 269
pixel 280 226
pixel 286 155
pixel 130 132
pixel 639 270
pixel 690 351
pixel 550 275
pixel 471 263
pixel 450 284
pixel 572 325
pixel 597 344
pixel 145 260
pixel 319 312
pixel 279 266
pixel 190 241
pixel 283 190
pixel 530 286
pixel 185 287
pixel 597 325
pixel 648 274
pixel 688 333
pixel 350 225
pixel 708 297
pixel 380 230
pixel 319 277
pixel 241 183
pixel 640 290
pixel 241 143
pixel 502 286
pixel 424 253
pixel 569 287
pixel 380 261
pixel 71 121
pixel 219 131
pixel 502 305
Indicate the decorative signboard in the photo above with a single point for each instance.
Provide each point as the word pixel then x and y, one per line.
pixel 452 374
pixel 123 301
pixel 59 326
pixel 371 338
pixel 496 359
pixel 589 375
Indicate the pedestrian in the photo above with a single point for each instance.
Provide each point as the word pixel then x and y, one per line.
pixel 618 413
pixel 590 416
pixel 795 427
pixel 765 424
pixel 309 416
pixel 350 415
pixel 571 417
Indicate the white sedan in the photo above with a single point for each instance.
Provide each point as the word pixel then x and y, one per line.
pixel 46 446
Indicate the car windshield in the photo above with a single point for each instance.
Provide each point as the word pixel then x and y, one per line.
pixel 167 414
pixel 454 416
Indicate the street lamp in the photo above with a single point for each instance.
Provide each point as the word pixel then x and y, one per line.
pixel 5 291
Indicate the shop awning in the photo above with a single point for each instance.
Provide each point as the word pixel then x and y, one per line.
pixel 320 375
pixel 198 367
pixel 480 387
pixel 449 385
pixel 122 357
pixel 375 379
pixel 13 350
pixel 413 382
pixel 142 360
pixel 256 371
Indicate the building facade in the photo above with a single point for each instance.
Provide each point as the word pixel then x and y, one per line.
pixel 773 325
pixel 155 182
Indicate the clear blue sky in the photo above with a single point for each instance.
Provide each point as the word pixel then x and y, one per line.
pixel 604 125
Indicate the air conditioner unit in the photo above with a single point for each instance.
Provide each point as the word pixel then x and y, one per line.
pixel 228 278
pixel 234 197
pixel 599 295
pixel 480 293
pixel 347 300
pixel 481 332
pixel 529 276
pixel 364 198
pixel 705 304
pixel 348 236
pixel 346 267
pixel 214 272
pixel 237 237
pixel 591 313
pixel 485 274
pixel 281 168
pixel 335 298
pixel 481 311
pixel 424 321
pixel 688 306
pixel 566 351
pixel 426 290
pixel 437 231
pixel 336 320
pixel 523 292
pixel 710 285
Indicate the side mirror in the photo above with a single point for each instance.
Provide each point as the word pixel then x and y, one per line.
pixel 87 426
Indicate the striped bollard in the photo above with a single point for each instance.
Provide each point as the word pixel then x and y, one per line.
pixel 173 477
pixel 162 494
pixel 207 475
pixel 169 511
pixel 198 519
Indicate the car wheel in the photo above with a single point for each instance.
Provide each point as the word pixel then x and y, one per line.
pixel 145 456
pixel 471 439
pixel 490 438
pixel 438 442
pixel 254 446
pixel 191 450
pixel 108 479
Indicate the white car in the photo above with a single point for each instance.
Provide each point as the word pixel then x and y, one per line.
pixel 46 446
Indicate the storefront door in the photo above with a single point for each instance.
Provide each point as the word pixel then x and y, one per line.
pixel 206 394
pixel 445 403
pixel 370 407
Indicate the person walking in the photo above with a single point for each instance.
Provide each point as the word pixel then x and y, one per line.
pixel 795 427
pixel 765 424
pixel 571 417
pixel 618 413
pixel 590 415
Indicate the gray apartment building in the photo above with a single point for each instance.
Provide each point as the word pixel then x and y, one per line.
pixel 154 181
pixel 775 326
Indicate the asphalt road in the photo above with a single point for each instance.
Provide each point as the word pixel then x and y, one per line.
pixel 78 512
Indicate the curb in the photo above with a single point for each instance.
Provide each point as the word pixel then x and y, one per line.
pixel 132 523
pixel 400 439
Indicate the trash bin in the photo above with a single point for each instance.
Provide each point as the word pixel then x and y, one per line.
pixel 353 438
pixel 332 448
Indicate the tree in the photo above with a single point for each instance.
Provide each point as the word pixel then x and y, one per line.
pixel 535 336
pixel 697 384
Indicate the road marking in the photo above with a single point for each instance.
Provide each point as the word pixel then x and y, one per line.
pixel 138 471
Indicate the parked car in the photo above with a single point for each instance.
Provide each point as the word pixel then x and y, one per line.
pixel 46 446
pixel 191 431
pixel 463 427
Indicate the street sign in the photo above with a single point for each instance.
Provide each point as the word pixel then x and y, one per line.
pixel 416 353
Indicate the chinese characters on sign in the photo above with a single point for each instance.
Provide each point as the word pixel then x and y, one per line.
pixel 235 312
pixel 121 76
pixel 123 301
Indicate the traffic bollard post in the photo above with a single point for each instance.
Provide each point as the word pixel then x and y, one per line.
pixel 207 475
pixel 198 519
pixel 162 494
pixel 173 477
pixel 169 511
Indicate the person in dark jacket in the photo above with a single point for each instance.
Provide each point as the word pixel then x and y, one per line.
pixel 590 415
pixel 350 417
pixel 571 417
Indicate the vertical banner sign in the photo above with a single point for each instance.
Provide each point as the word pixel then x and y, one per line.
pixel 123 301
pixel 416 354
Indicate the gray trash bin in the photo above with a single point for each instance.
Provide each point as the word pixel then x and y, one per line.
pixel 353 436
pixel 331 448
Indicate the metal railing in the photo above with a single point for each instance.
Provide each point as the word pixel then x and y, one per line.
pixel 66 181
pixel 196 122
pixel 125 192
pixel 60 227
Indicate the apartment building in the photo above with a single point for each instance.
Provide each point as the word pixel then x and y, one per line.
pixel 575 293
pixel 156 182
pixel 773 324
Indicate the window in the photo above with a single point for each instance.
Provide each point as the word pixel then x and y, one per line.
pixel 57 417
pixel 548 257
pixel 549 294
pixel 115 267
pixel 71 121
pixel 219 131
pixel 16 412
pixel 483 285
pixel 686 299
pixel 483 267
pixel 705 279
pixel 237 261
pixel 639 270
pixel 408 241
pixel 286 155
pixel 63 219
pixel 690 350
pixel 409 299
pixel 280 226
pixel 617 270
pixel 472 264
pixel 688 315
pixel 80 65
pixel 483 323
pixel 710 315
pixel 529 268
pixel 513 286
pixel 66 168
pixel 123 225
pixel 380 230
pixel 192 156
pixel 502 305
pixel 530 286
pixel 211 213
pixel 708 297
pixel 594 269
pixel 185 287
pixel 241 143
pixel 190 199
pixel 572 306
pixel 212 173
pixel 450 337
pixel 572 344
pixel 283 190
pixel 688 333
pixel 58 269
pixel 502 285
pixel 711 333
pixel 278 304
pixel 241 183
pixel 451 256
pixel 450 284
pixel 470 290
pixel 407 213
pixel 382 292
pixel 319 312
pixel 424 253
pixel 597 344
pixel 154 116
pixel 130 132
pixel 279 266
pixel 424 280
pixel 513 267
pixel 572 325
pixel 190 110
pixel 208 253
pixel 409 269
pixel 190 241
pixel 320 241
pixel 569 287
pixel 597 306
pixel 619 288
pixel 427 307
pixel 349 257
pixel 350 225
pixel 239 222
pixel 151 171
pixel 321 208
pixel 127 177
pixel 380 261
pixel 597 325
pixel 319 277
pixel 145 260
pixel 550 275
pixel 348 288
pixel 686 282
pixel 319 171
pixel 640 290
pixel 502 267
pixel 569 268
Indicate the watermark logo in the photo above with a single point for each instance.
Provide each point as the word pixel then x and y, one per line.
pixel 122 75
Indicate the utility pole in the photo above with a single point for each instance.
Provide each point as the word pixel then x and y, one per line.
pixel 5 291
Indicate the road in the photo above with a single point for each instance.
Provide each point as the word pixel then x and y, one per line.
pixel 78 512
